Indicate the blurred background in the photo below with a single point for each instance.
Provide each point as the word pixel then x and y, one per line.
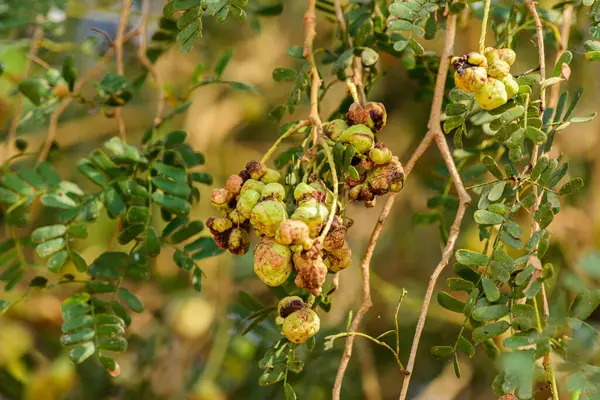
pixel 189 345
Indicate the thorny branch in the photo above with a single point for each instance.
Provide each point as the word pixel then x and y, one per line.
pixel 38 34
pixel 434 133
pixel 547 363
pixel 62 106
pixel 120 68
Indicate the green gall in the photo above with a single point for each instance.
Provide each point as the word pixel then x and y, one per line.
pixel 288 305
pixel 477 59
pixel 377 116
pixel 238 242
pixel 498 69
pixel 313 214
pixel 506 55
pixel 236 218
pixel 380 154
pixel 54 77
pixel 303 191
pixel 274 191
pixel 335 128
pixel 267 215
pixel 246 203
pixel 301 325
pixel 219 224
pixel 271 176
pixel 492 95
pixel 272 262
pixel 511 86
pixel 256 169
pixel 360 136
pixel 252 184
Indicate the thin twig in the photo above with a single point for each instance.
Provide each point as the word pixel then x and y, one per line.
pixel 126 5
pixel 356 62
pixel 310 31
pixel 105 34
pixel 547 362
pixel 39 61
pixel 145 61
pixel 463 196
pixel 62 106
pixel 565 31
pixel 281 138
pixel 484 23
pixel 38 34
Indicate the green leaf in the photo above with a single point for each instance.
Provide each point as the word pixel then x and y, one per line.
pixel 465 346
pixel 177 189
pixel 441 352
pixel 369 57
pixel 33 178
pixel 536 135
pixel 186 232
pixel 457 94
pixel 49 247
pixel 46 233
pixel 520 339
pixel 77 323
pixel 489 331
pixel 540 166
pixel 131 300
pixel 8 197
pixel 182 260
pixel 571 186
pixel 152 242
pixel 490 289
pixel 511 241
pixel 284 74
pixel 57 260
pixel 189 35
pixel 289 392
pixel 92 173
pixel 35 89
pixel 118 344
pixel 469 257
pixel 222 63
pixel 545 218
pixel 100 287
pixel 16 184
pixel 565 58
pixel 69 73
pixel 485 217
pixel 343 61
pixel 114 203
pixel 125 151
pixel 450 303
pixel 488 313
pixel 497 190
pixel 197 279
pixel 401 11
pixel 77 230
pixel 491 166
pixel 79 354
pixel 130 233
pixel 172 204
pixel 460 284
pixel 454 109
pixel 177 174
pixel 78 261
pixel 452 123
pixel 79 337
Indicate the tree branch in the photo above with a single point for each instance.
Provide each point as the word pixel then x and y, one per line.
pixel 126 5
pixel 38 34
pixel 143 58
pixel 434 132
pixel 565 31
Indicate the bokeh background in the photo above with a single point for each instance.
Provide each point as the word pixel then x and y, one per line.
pixel 189 345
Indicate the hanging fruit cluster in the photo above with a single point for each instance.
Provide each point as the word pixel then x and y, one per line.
pixel 379 172
pixel 487 76
pixel 298 232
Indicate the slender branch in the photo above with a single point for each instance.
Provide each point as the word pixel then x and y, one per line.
pixel 565 31
pixel 484 23
pixel 62 106
pixel 434 131
pixel 310 31
pixel 335 183
pixel 38 34
pixel 352 334
pixel 463 196
pixel 281 138
pixel 356 62
pixel 547 362
pixel 126 5
pixel 145 61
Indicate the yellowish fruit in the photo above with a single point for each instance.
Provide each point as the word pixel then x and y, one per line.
pixel 492 95
pixel 301 325
pixel 272 262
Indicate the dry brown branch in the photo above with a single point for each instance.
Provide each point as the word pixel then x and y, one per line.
pixel 565 31
pixel 434 132
pixel 143 58
pixel 126 5
pixel 36 38
pixel 547 363
pixel 62 106
pixel 463 196
pixel 356 62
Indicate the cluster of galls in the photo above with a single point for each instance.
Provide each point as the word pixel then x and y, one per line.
pixel 487 76
pixel 299 322
pixel 380 172
pixel 254 198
